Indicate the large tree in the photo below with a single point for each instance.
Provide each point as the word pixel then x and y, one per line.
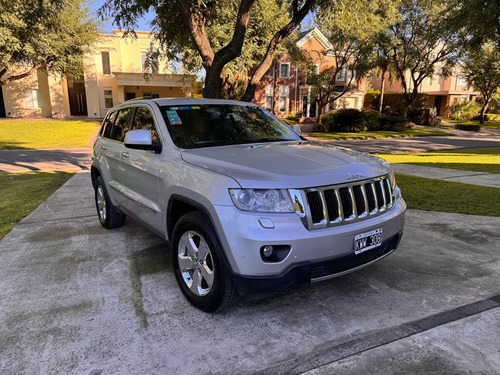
pixel 216 30
pixel 481 68
pixel 47 34
pixel 421 47
pixel 353 29
pixel 479 19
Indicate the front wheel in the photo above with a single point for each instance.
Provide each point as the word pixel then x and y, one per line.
pixel 199 266
pixel 108 215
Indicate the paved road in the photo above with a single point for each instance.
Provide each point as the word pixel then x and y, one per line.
pixel 76 298
pixel 418 144
pixel 69 159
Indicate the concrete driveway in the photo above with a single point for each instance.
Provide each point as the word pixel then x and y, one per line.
pixel 76 298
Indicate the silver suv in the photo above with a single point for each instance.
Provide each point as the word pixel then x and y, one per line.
pixel 249 206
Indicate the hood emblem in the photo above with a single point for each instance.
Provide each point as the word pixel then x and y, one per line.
pixel 354 176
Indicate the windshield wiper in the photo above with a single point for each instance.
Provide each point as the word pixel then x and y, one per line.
pixel 271 140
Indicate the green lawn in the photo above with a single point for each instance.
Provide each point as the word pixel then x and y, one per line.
pixel 23 192
pixel 20 134
pixel 487 124
pixel 444 196
pixel 381 134
pixel 479 159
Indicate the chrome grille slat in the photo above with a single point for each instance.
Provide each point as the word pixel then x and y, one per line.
pixel 346 203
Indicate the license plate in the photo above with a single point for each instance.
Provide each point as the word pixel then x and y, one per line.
pixel 367 241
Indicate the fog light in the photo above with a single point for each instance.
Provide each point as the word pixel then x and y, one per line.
pixel 267 251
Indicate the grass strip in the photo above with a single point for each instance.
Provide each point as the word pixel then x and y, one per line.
pixel 445 196
pixel 35 134
pixel 23 192
pixel 381 134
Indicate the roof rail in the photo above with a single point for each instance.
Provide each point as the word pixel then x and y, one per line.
pixel 140 98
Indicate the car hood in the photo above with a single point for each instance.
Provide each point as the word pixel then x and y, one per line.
pixel 286 164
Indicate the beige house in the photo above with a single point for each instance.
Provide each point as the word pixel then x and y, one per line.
pixel 442 91
pixel 115 72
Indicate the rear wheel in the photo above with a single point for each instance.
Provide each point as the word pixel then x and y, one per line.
pixel 199 266
pixel 108 215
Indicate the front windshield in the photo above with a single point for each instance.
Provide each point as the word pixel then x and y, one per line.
pixel 194 126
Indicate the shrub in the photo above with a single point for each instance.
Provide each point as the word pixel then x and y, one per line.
pixel 293 117
pixel 394 103
pixel 493 117
pixel 477 118
pixel 346 120
pixel 464 111
pixel 468 127
pixel 373 120
pixel 328 120
pixel 319 128
pixel 393 123
pixel 289 122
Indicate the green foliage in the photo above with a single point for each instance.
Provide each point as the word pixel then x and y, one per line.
pixel 373 120
pixel 393 122
pixel 394 103
pixel 319 128
pixel 468 127
pixel 293 117
pixel 464 111
pixel 49 34
pixel 345 120
pixel 288 121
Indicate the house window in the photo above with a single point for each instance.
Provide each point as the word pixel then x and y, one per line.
pixel 33 99
pixel 462 81
pixel 284 92
pixel 285 70
pixel 108 98
pixel 350 74
pixel 341 75
pixel 106 68
pixel 153 95
pixel 269 97
pixel 151 66
pixel 270 72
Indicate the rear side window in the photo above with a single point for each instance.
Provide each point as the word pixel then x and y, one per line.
pixel 122 124
pixel 108 124
pixel 144 120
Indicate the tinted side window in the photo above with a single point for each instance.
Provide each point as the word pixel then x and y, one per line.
pixel 108 124
pixel 122 124
pixel 144 120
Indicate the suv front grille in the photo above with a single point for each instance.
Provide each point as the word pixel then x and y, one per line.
pixel 342 204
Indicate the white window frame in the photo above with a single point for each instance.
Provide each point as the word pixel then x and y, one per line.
pixel 461 81
pixel 108 96
pixel 149 69
pixel 109 62
pixel 268 95
pixel 270 71
pixel 33 99
pixel 281 64
pixel 286 97
pixel 347 75
pixel 341 76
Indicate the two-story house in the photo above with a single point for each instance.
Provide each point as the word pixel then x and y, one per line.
pixel 285 90
pixel 113 73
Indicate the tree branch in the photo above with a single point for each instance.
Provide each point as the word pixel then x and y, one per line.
pixel 273 44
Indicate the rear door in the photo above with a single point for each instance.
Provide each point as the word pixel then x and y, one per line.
pixel 113 150
pixel 140 174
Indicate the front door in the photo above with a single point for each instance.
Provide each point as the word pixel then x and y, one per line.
pixel 140 175
pixel 77 101
pixel 437 104
pixel 2 105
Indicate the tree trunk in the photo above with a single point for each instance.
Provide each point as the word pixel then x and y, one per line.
pixel 213 82
pixel 298 16
pixel 382 87
pixel 483 111
pixel 406 106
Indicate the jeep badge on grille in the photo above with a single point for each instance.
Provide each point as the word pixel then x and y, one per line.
pixel 354 176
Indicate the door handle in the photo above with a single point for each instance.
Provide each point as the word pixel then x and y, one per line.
pixel 104 147
pixel 125 154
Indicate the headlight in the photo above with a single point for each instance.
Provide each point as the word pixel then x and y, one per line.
pixel 392 180
pixel 262 200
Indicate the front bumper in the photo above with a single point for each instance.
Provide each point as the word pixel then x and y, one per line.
pixel 255 287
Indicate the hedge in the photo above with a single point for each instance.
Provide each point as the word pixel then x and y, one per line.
pixel 468 127
pixel 393 104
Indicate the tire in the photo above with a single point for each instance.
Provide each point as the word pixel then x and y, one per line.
pixel 199 265
pixel 108 215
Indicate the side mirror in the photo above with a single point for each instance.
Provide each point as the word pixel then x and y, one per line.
pixel 296 129
pixel 140 139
